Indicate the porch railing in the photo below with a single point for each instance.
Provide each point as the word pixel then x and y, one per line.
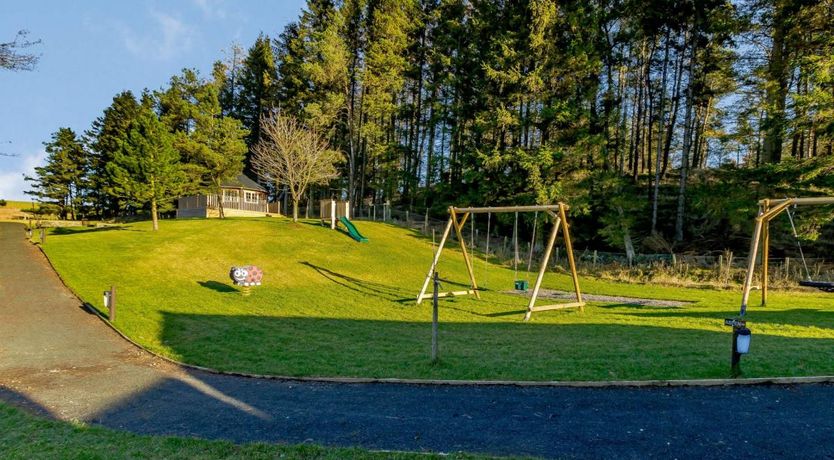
pixel 213 203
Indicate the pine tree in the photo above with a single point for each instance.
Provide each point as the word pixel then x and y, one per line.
pixel 104 139
pixel 212 146
pixel 227 74
pixel 147 169
pixel 258 92
pixel 62 180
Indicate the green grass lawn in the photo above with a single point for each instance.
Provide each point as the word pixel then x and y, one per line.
pixel 332 307
pixel 24 436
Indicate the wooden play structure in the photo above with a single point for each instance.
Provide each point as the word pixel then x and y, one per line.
pixel 458 218
pixel 768 210
pixel 332 210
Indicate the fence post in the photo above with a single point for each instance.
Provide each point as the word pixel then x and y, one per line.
pixel 434 347
pixel 333 214
pixel 787 267
pixel 407 219
pixel 595 258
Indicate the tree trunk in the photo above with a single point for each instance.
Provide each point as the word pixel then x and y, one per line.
pixel 432 127
pixel 294 209
pixel 661 118
pixel 777 90
pixel 673 114
pixel 220 199
pixel 154 216
pixel 679 220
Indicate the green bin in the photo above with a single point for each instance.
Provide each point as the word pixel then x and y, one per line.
pixel 521 285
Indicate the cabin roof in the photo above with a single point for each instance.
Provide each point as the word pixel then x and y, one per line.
pixel 243 181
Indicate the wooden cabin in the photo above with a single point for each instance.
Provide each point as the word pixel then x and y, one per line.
pixel 242 197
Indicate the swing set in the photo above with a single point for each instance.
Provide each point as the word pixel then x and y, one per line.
pixel 457 220
pixel 768 210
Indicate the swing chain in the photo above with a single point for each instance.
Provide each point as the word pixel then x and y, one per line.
pixel 798 243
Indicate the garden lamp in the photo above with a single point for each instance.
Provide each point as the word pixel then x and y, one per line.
pixel 743 340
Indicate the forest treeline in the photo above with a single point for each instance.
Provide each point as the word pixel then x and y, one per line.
pixel 660 122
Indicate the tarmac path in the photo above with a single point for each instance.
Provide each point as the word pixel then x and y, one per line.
pixel 59 360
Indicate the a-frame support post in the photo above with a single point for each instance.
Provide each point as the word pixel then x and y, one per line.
pixel 751 261
pixel 571 261
pixel 436 258
pixel 558 220
pixel 765 250
pixel 458 227
pixel 550 241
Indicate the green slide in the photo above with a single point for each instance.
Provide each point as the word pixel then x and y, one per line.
pixel 352 231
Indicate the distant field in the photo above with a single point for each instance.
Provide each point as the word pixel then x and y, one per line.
pixel 15 210
pixel 332 307
pixel 22 205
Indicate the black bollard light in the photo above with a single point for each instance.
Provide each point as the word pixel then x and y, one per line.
pixel 740 343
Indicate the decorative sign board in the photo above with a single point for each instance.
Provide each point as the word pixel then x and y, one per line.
pixel 735 322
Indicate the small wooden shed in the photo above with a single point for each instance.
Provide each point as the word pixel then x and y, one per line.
pixel 242 197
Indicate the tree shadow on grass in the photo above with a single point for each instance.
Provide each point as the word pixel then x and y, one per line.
pixel 480 350
pixel 358 285
pixel 804 317
pixel 500 314
pixel 78 230
pixel 316 223
pixel 217 286
pixel 635 305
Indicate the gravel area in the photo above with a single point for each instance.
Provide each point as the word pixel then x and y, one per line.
pixel 565 295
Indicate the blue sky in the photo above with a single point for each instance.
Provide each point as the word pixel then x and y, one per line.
pixel 92 50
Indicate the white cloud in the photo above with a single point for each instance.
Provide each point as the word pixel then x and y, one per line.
pixel 12 170
pixel 211 8
pixel 169 38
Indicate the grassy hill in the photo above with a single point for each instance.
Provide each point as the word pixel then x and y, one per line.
pixel 14 210
pixel 331 306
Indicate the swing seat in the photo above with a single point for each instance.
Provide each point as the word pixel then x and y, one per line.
pixel 521 285
pixel 825 286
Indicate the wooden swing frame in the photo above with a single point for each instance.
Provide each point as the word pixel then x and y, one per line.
pixel 457 219
pixel 768 210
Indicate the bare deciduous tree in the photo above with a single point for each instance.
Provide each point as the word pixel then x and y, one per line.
pixel 11 57
pixel 293 155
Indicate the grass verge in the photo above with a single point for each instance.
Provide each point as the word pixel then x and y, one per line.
pixel 25 436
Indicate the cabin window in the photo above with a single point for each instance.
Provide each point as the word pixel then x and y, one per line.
pixel 251 197
pixel 231 196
